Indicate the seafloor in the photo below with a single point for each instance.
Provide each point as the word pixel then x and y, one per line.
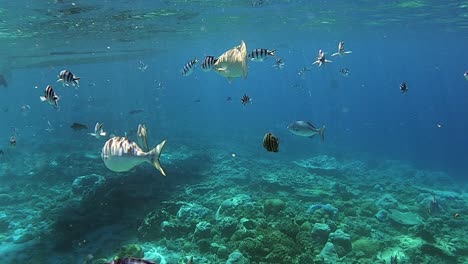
pixel 66 207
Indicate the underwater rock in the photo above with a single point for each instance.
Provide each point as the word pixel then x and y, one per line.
pixel 342 242
pixel 382 215
pixel 322 165
pixel 229 207
pixel 227 226
pixel 329 254
pixel 404 218
pixel 237 258
pixel 387 201
pixel 6 199
pixel 22 235
pixel 330 209
pixel 4 222
pixel 87 185
pixel 131 251
pixel 320 233
pixel 192 213
pixel 273 206
pixel 370 247
pixel 202 230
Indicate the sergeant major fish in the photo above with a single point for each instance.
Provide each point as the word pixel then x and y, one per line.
pixel 321 59
pixel 50 96
pixel 67 78
pixel 208 63
pixel 120 154
pixel 260 54
pixel 306 129
pixel 130 261
pixel 189 67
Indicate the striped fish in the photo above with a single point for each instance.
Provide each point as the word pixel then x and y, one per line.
pixel 50 96
pixel 67 78
pixel 270 142
pixel 208 63
pixel 131 261
pixel 260 54
pixel 142 135
pixel 121 154
pixel 189 67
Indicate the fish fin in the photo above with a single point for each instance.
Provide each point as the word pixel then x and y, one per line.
pixel 103 134
pixel 328 61
pixel 322 133
pixel 76 81
pixel 348 52
pixel 272 52
pixel 43 99
pixel 92 134
pixel 315 62
pixel 156 152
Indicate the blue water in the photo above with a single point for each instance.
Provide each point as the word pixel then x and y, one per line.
pixel 366 116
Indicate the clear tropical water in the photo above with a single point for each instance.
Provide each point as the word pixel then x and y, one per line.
pixel 378 141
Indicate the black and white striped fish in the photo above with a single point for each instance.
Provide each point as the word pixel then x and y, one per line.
pixel 121 154
pixel 67 78
pixel 189 67
pixel 260 54
pixel 50 96
pixel 270 142
pixel 208 63
pixel 130 261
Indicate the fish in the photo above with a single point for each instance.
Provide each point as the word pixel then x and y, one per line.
pixel 403 87
pixel 208 63
pixel 246 99
pixel 303 70
pixel 142 134
pixel 466 75
pixel 456 215
pixel 260 54
pixel 77 126
pixel 233 63
pixel 345 71
pixel 120 154
pixel 67 78
pixel 341 50
pixel 229 98
pixel 135 111
pixel 13 140
pixel 306 129
pixel 321 59
pixel 3 81
pixel 130 261
pixel 98 131
pixel 143 66
pixel 270 142
pixel 279 64
pixel 50 96
pixel 189 67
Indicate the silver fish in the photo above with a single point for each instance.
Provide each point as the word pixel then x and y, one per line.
pixel 233 63
pixel 142 134
pixel 67 78
pixel 341 50
pixel 188 67
pixel 306 129
pixel 98 131
pixel 321 59
pixel 50 96
pixel 121 154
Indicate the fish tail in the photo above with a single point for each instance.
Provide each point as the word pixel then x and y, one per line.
pixel 156 152
pixel 272 52
pixel 322 133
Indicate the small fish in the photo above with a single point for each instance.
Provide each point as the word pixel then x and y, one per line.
pixel 78 126
pixel 270 142
pixel 143 66
pixel 304 69
pixel 197 100
pixel 189 67
pixel 260 54
pixel 121 154
pixel 135 111
pixel 25 108
pixel 98 131
pixel 50 96
pixel 456 215
pixel 233 63
pixel 345 72
pixel 341 50
pixel 306 129
pixel 208 63
pixel 13 141
pixel 130 261
pixel 67 78
pixel 321 59
pixel 229 98
pixel 403 87
pixel 3 81
pixel 246 99
pixel 466 75
pixel 142 135
pixel 279 64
